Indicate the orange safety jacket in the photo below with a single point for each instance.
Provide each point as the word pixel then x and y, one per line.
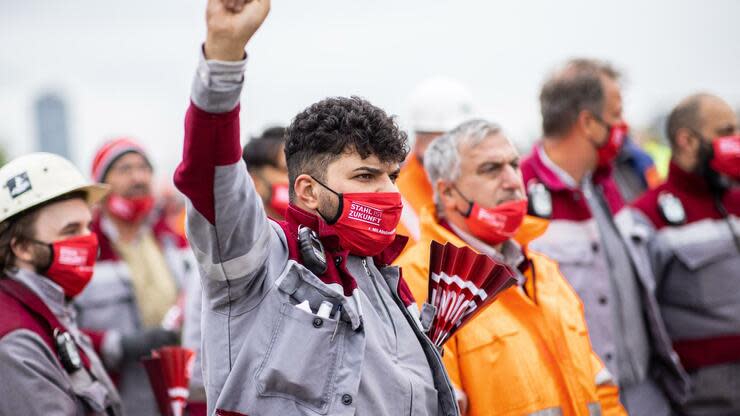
pixel 417 193
pixel 524 354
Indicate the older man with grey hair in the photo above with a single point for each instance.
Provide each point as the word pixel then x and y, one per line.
pixel 529 352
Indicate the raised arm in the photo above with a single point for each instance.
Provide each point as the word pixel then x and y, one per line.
pixel 227 226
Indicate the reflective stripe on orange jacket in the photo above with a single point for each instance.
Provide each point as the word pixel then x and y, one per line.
pixel 523 354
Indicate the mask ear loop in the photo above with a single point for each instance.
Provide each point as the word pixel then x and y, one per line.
pixel 705 155
pixel 467 213
pixel 609 129
pixel 340 206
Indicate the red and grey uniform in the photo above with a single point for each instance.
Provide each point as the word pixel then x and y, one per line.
pixel 602 252
pixel 34 381
pixel 697 266
pixel 262 354
pixel 107 308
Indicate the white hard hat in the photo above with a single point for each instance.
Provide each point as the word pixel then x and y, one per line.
pixel 439 104
pixel 35 178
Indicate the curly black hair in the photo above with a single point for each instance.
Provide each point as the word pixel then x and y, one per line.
pixel 325 130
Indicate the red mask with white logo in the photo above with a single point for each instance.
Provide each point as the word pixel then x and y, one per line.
pixel 280 198
pixel 610 149
pixel 726 158
pixel 129 209
pixel 366 222
pixel 494 225
pixel 72 262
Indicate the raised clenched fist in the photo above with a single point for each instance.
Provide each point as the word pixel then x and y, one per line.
pixel 231 23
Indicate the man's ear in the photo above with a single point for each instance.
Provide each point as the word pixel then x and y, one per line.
pixel 446 193
pixel 306 192
pixel 686 142
pixel 585 121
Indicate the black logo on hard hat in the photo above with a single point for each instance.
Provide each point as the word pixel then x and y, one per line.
pixel 540 201
pixel 18 185
pixel 671 209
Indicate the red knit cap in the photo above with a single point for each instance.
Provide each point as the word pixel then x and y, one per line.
pixel 109 152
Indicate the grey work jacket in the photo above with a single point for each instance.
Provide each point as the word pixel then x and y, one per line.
pixel 262 355
pixel 33 381
pixel 698 270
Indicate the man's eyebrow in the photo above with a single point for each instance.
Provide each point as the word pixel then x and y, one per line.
pixel 726 129
pixel 71 226
pixel 368 169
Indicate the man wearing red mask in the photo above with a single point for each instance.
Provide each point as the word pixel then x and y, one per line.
pixel 696 249
pixel 600 250
pixel 142 268
pixel 528 352
pixel 47 253
pixel 265 159
pixel 304 316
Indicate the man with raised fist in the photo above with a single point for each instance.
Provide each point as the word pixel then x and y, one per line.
pixel 305 316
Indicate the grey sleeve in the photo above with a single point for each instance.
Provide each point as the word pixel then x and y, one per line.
pixel 191 333
pixel 229 232
pixel 33 382
pixel 217 84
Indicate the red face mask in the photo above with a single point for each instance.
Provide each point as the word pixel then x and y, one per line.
pixel 72 263
pixel 610 149
pixel 366 222
pixel 726 158
pixel 129 209
pixel 280 198
pixel 495 225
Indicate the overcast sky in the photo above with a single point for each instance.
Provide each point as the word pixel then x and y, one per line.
pixel 125 66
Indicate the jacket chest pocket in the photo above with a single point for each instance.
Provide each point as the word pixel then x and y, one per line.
pixel 577 262
pixel 499 356
pixel 705 274
pixel 302 359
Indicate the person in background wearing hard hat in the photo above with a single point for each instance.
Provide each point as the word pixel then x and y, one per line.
pixel 529 351
pixel 47 252
pixel 437 105
pixel 598 246
pixel 142 268
pixel 695 218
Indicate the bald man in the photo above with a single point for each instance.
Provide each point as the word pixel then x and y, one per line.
pixel 696 250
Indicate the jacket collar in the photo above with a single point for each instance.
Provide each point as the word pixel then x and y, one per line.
pixel 49 292
pixel 690 182
pixel 554 178
pixel 295 217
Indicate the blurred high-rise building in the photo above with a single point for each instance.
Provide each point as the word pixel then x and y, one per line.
pixel 50 111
